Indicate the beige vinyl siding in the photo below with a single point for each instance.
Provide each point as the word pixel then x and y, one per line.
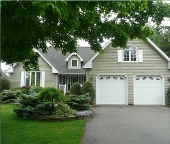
pixel 15 78
pixel 50 78
pixel 153 64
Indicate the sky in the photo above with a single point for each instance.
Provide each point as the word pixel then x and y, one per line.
pixel 83 43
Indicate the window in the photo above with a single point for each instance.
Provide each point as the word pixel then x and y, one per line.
pixel 33 78
pixel 74 63
pixel 130 53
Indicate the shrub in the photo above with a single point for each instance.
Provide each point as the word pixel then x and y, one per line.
pixel 79 102
pixel 76 89
pixel 51 94
pixel 8 96
pixel 168 94
pixel 35 89
pixel 28 101
pixel 88 88
pixel 67 94
pixel 31 106
pixel 24 91
pixel 26 88
pixel 64 110
pixel 4 84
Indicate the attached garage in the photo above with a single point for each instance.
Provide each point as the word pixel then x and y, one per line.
pixel 111 89
pixel 149 90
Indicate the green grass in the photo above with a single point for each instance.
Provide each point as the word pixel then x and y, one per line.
pixel 18 131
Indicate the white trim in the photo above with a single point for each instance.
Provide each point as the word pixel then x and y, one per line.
pixel 72 55
pixel 23 78
pixel 163 88
pixel 126 84
pixel 54 70
pixel 11 68
pixel 42 79
pixel 159 50
pixel 140 55
pixel 120 55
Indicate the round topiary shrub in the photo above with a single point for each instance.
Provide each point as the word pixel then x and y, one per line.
pixel 76 89
pixel 88 88
pixel 4 84
pixel 51 94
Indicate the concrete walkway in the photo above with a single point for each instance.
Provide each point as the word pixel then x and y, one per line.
pixel 128 125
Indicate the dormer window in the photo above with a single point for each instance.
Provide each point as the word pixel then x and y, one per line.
pixel 74 63
pixel 130 53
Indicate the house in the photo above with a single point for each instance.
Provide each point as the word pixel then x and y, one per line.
pixel 54 70
pixel 136 75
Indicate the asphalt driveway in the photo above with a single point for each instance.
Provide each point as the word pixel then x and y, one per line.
pixel 128 125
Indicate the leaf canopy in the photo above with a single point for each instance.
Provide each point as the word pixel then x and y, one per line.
pixel 31 24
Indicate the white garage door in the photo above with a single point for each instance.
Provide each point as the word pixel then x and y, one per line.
pixel 148 90
pixel 111 90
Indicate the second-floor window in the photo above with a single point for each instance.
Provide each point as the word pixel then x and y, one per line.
pixel 130 53
pixel 74 63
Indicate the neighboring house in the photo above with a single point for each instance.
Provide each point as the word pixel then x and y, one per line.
pixel 138 74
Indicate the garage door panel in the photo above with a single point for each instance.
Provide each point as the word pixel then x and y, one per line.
pixel 148 90
pixel 111 90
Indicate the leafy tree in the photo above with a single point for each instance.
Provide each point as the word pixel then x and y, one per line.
pixel 30 24
pixel 161 38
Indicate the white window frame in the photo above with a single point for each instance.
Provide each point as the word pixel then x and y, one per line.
pixel 42 78
pixel 35 80
pixel 130 53
pixel 72 62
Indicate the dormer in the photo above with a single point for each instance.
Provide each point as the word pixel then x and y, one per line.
pixel 74 61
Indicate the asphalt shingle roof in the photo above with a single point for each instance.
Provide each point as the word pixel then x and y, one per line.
pixel 57 60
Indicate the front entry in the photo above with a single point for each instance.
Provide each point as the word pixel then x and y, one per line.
pixel 69 80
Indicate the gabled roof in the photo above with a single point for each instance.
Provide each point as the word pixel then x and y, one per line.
pixel 72 55
pixel 56 60
pixel 89 63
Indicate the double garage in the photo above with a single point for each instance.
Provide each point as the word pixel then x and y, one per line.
pixel 145 89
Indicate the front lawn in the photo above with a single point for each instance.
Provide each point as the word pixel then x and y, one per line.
pixel 18 131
